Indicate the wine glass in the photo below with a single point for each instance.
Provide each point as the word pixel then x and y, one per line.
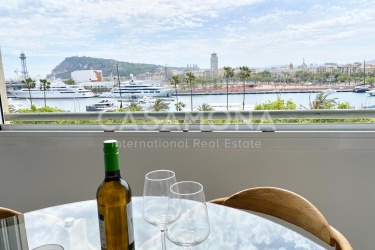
pixel 155 209
pixel 193 226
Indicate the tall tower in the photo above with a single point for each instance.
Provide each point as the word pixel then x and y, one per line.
pixel 214 65
pixel 23 65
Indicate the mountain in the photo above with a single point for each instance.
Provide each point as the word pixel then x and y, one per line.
pixel 70 64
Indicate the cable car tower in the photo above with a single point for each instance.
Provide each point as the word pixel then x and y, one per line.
pixel 23 65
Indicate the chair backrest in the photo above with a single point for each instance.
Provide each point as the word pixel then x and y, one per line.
pixel 289 207
pixel 6 212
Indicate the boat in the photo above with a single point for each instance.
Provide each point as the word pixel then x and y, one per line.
pixel 371 92
pixel 231 106
pixel 138 89
pixel 329 91
pixel 369 103
pixel 14 106
pixel 361 89
pixel 104 105
pixel 58 90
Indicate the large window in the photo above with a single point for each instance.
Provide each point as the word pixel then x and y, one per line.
pixel 211 65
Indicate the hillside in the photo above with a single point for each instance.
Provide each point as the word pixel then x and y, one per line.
pixel 70 64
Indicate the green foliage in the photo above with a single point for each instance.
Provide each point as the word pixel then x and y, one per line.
pixel 278 104
pixel 322 101
pixel 133 107
pixel 70 81
pixel 35 109
pixel 159 106
pixel 180 106
pixel 205 107
pixel 74 63
pixel 29 84
pixel 190 79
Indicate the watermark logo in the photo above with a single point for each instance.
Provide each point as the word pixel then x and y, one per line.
pixel 192 143
pixel 213 120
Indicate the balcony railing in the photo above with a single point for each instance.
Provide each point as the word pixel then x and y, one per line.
pixel 261 120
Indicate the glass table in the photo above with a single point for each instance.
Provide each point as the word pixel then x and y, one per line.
pixel 75 227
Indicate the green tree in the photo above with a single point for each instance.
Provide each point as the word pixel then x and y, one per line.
pixel 70 81
pixel 278 104
pixel 176 80
pixel 244 75
pixel 180 106
pixel 205 107
pixel 322 101
pixel 159 106
pixel 29 84
pixel 190 79
pixel 44 85
pixel 134 107
pixel 228 74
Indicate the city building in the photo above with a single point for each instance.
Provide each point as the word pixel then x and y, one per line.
pixel 214 65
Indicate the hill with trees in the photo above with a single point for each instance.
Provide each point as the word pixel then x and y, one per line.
pixel 70 64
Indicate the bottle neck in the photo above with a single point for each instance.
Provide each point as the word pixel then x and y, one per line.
pixel 112 175
pixel 111 162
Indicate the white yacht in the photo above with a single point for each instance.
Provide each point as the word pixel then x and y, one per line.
pixel 103 105
pixel 58 89
pixel 138 89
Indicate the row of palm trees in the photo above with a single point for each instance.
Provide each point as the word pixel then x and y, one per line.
pixel 244 75
pixel 29 84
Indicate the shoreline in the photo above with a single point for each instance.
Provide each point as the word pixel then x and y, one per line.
pixel 265 89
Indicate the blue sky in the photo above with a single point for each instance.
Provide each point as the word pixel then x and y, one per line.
pixel 256 33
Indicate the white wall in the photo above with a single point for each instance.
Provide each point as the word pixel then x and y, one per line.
pixel 334 170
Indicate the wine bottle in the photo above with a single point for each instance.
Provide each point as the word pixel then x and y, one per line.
pixel 114 204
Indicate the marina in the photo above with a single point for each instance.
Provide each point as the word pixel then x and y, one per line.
pixel 356 100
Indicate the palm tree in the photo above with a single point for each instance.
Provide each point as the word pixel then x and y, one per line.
pixel 228 74
pixel 205 107
pixel 29 84
pixel 175 81
pixel 44 85
pixel 244 75
pixel 179 106
pixel 159 106
pixel 190 78
pixel 322 102
pixel 134 107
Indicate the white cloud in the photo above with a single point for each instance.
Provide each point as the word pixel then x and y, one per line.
pixel 274 16
pixel 177 32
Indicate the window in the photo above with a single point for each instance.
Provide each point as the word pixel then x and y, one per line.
pixel 244 56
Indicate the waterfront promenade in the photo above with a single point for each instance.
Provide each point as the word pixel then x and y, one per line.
pixel 266 89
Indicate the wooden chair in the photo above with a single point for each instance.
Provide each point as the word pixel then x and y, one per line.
pixel 6 212
pixel 289 207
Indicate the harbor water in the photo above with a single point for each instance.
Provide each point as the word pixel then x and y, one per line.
pixel 356 100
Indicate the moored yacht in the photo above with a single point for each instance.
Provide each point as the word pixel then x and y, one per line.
pixel 58 89
pixel 103 105
pixel 361 89
pixel 138 89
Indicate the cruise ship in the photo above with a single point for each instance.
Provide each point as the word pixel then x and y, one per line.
pixel 58 89
pixel 138 89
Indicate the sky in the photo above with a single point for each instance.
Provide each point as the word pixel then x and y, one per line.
pixel 255 33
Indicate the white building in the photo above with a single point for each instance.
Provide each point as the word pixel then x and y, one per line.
pixel 87 76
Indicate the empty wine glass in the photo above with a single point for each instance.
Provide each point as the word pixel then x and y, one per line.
pixel 193 226
pixel 155 209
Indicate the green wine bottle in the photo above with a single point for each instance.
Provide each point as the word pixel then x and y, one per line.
pixel 114 204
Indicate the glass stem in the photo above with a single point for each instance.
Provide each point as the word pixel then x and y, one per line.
pixel 163 247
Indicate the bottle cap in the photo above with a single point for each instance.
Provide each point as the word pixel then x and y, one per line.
pixel 110 147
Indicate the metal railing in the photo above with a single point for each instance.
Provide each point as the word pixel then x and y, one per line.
pixel 196 115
